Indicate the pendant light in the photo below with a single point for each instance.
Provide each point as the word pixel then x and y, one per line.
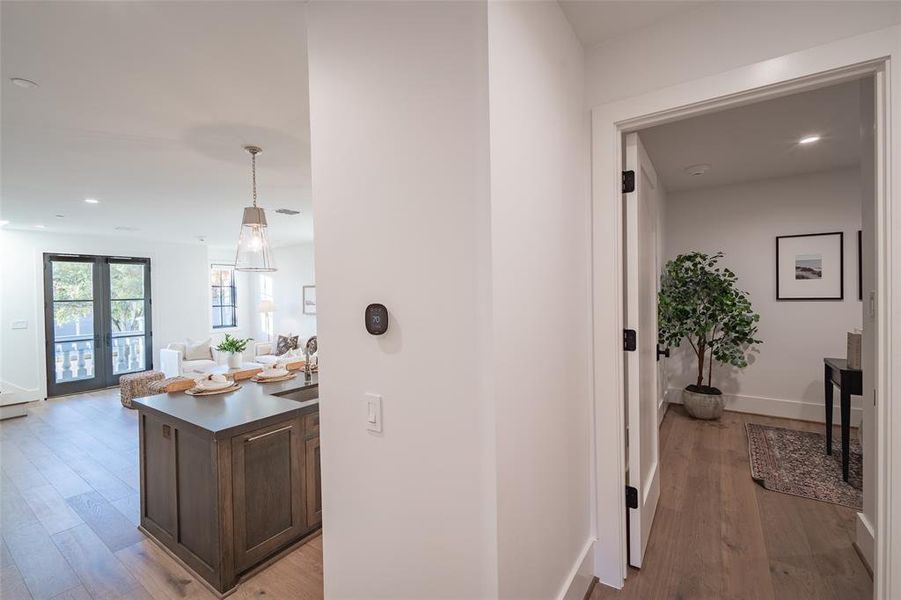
pixel 254 253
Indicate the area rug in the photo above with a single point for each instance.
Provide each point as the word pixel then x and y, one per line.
pixel 795 462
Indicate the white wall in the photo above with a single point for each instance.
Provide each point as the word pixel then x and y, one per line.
pixel 399 117
pixel 785 377
pixel 720 36
pixel 179 282
pixel 295 270
pixel 480 485
pixel 541 318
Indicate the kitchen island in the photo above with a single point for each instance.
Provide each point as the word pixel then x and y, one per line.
pixel 231 481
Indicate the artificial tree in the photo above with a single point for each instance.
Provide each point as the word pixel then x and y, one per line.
pixel 700 302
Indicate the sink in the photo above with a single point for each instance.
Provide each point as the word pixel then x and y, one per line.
pixel 302 395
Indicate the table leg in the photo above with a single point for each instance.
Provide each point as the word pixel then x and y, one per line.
pixel 828 394
pixel 846 431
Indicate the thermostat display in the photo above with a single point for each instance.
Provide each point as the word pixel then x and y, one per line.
pixel 376 319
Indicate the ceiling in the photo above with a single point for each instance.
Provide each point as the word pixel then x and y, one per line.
pixel 145 106
pixel 760 140
pixel 600 20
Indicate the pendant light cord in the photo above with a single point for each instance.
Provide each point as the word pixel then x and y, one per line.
pixel 253 169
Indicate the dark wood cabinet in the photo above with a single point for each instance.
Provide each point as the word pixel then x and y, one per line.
pixel 314 482
pixel 223 496
pixel 268 486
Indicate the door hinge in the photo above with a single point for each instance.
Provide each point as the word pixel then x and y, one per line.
pixel 631 497
pixel 628 181
pixel 629 340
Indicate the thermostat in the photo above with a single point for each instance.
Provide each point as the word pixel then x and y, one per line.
pixel 376 319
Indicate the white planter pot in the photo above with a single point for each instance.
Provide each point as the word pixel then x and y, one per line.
pixel 703 406
pixel 234 360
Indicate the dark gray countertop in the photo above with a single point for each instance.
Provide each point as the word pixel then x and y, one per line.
pixel 222 414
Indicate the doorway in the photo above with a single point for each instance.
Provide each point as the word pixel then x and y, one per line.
pixel 778 77
pixel 97 320
pixel 740 184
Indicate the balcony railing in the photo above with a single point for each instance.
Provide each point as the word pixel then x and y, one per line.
pixel 75 359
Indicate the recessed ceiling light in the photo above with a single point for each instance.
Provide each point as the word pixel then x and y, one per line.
pixel 40 226
pixel 287 211
pixel 810 139
pixel 697 170
pixel 3 222
pixel 23 83
pixel 92 201
pixel 60 216
pixel 126 228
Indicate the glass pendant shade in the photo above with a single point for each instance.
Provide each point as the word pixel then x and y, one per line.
pixel 254 251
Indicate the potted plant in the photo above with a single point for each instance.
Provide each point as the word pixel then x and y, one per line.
pixel 235 348
pixel 699 302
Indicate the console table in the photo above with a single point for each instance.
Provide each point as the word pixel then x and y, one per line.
pixel 850 382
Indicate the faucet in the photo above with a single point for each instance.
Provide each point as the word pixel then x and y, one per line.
pixel 307 367
pixel 309 349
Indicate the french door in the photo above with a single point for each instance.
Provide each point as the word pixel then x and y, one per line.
pixel 97 320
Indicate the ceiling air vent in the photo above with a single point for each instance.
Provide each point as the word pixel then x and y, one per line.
pixel 287 211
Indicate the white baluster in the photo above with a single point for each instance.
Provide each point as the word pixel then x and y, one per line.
pixel 67 363
pixel 79 349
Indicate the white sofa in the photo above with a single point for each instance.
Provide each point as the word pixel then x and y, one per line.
pixel 173 363
pixel 264 353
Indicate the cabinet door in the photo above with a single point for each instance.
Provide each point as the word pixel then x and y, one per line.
pixel 268 486
pixel 314 483
pixel 158 477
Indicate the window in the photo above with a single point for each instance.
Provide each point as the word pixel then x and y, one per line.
pixel 222 283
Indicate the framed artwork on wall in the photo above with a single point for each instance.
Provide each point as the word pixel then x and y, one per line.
pixel 309 299
pixel 810 266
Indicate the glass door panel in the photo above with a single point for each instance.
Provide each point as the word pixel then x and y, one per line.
pixel 72 324
pixel 129 309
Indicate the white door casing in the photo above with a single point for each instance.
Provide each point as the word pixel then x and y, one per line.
pixel 842 60
pixel 640 314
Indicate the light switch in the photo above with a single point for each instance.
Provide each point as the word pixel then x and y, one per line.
pixel 19 325
pixel 374 412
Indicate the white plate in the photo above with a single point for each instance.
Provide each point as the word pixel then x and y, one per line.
pixel 208 386
pixel 272 373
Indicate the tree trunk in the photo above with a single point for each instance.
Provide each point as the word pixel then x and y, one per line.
pixel 702 350
pixel 710 372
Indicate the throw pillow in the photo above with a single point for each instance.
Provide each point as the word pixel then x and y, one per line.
pixel 199 350
pixel 286 343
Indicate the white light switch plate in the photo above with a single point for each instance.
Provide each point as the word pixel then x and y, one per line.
pixel 373 412
pixel 19 325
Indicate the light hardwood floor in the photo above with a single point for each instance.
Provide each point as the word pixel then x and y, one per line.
pixel 69 508
pixel 719 535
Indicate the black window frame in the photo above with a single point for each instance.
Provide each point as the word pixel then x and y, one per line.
pixel 233 290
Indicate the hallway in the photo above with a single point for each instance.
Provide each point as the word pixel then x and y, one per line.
pixel 717 534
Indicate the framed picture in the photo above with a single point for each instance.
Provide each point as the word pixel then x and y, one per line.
pixel 810 267
pixel 309 299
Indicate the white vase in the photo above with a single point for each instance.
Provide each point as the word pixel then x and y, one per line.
pixel 703 406
pixel 234 360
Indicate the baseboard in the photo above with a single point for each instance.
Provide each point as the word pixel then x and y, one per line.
pixel 777 407
pixel 14 400
pixel 866 541
pixel 581 577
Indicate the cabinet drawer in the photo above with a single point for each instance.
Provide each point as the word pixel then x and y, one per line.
pixel 311 424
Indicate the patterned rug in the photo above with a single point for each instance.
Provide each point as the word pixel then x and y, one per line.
pixel 795 462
